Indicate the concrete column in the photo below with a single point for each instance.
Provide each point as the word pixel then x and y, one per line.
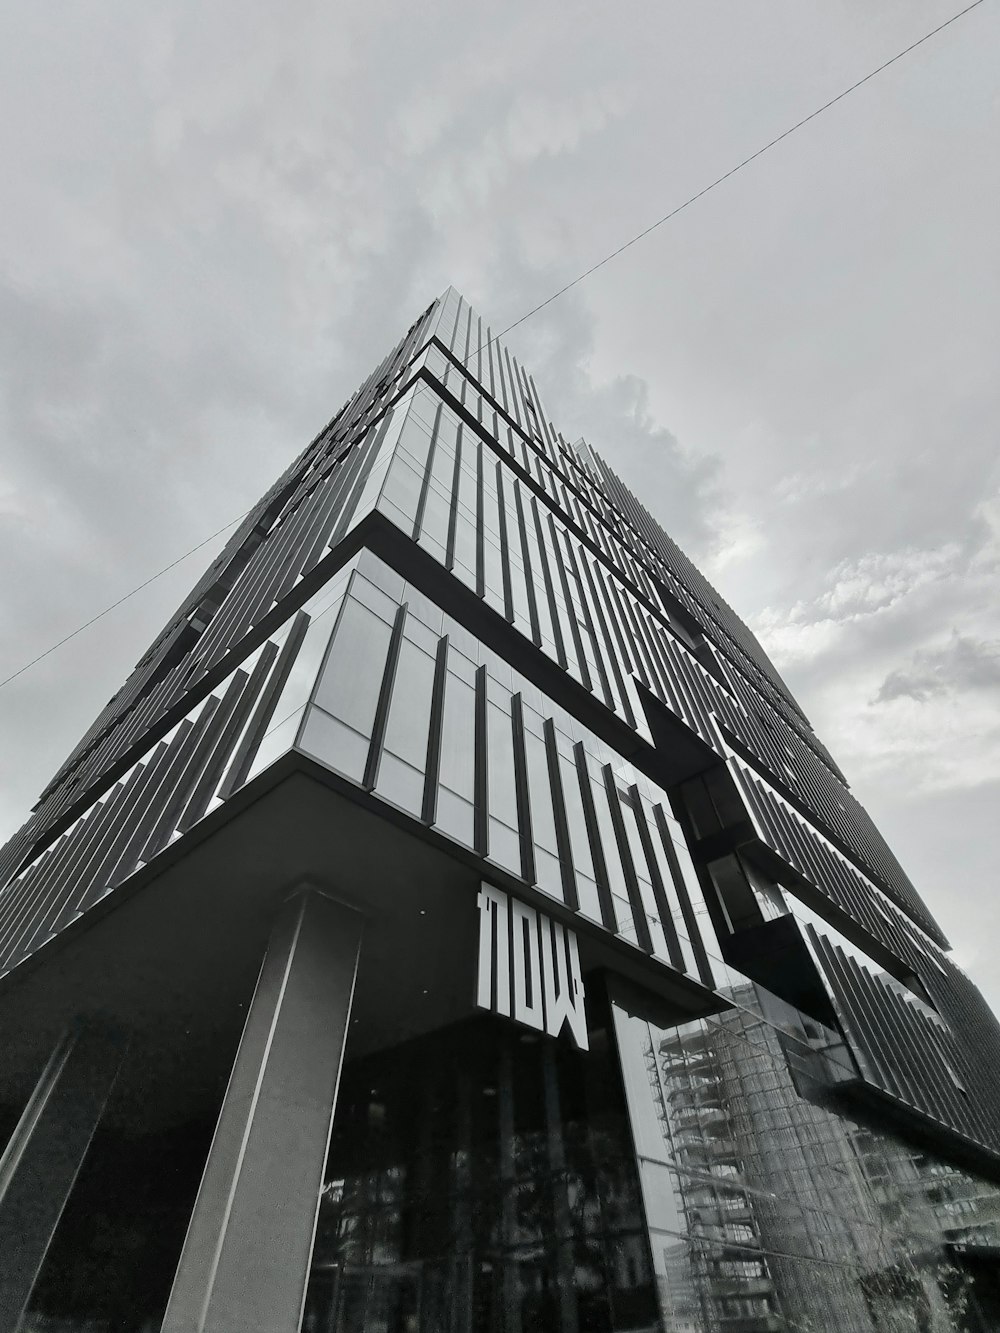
pixel 246 1256
pixel 44 1155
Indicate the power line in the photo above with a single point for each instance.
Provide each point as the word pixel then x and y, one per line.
pixel 740 165
pixel 124 598
pixel 549 299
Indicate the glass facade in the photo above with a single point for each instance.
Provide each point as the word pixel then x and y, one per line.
pixel 482 1179
pixel 442 727
pixel 770 1206
pixel 449 648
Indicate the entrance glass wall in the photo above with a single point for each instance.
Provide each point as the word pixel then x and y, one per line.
pixel 482 1179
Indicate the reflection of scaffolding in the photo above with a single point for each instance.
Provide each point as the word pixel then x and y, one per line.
pixel 797 1217
pixel 724 1280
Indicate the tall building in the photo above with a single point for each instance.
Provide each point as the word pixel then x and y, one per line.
pixel 455 924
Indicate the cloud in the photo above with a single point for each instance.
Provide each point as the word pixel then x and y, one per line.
pixel 962 664
pixel 225 214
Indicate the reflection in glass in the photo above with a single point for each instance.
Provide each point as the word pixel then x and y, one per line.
pixel 478 1181
pixel 768 1207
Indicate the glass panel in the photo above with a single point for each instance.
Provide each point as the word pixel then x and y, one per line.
pixel 349 689
pixel 437 506
pixel 406 728
pixel 464 566
pixel 612 857
pixel 504 842
pixel 334 743
pixel 492 558
pixel 476 1181
pixel 769 1206
pixel 350 684
pixel 457 768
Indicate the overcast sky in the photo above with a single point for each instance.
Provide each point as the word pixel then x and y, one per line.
pixel 218 217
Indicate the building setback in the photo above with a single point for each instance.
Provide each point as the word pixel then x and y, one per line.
pixel 454 923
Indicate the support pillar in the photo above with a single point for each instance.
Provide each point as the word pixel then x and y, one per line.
pixel 246 1256
pixel 44 1155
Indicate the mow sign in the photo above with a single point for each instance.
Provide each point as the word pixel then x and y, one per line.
pixel 529 967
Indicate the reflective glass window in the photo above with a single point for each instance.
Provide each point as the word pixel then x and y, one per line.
pixel 402 764
pixel 504 842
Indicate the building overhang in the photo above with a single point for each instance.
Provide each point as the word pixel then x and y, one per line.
pixel 173 952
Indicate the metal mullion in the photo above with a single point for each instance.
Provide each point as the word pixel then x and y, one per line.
pixel 257 727
pixel 384 700
pixel 607 640
pixel 176 688
pixel 19 901
pixel 656 880
pixel 588 612
pixel 115 744
pixel 109 848
pixel 911 1039
pixel 481 808
pixel 432 764
pixel 945 1103
pixel 314 540
pixel 683 687
pixel 284 563
pixel 259 579
pixel 624 660
pixel 536 632
pixel 503 398
pixel 465 359
pixel 802 844
pixel 489 362
pixel 854 1032
pixel 425 483
pixel 752 800
pixel 960 1110
pixel 514 408
pixel 128 857
pixel 218 634
pixel 33 921
pixel 456 483
pixel 232 719
pixel 643 659
pixel 543 424
pixel 120 738
pixel 800 848
pixel 644 938
pixel 883 1043
pixel 563 839
pixel 570 607
pixel 952 1056
pixel 674 690
pixel 684 898
pixel 100 818
pixel 454 327
pixel 186 776
pixel 524 823
pixel 543 556
pixel 504 544
pixel 480 535
pixel 367 455
pixel 200 796
pixel 351 465
pixel 9 956
pixel 828 878
pixel 657 640
pixel 630 655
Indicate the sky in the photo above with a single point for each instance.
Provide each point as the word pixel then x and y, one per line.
pixel 217 218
